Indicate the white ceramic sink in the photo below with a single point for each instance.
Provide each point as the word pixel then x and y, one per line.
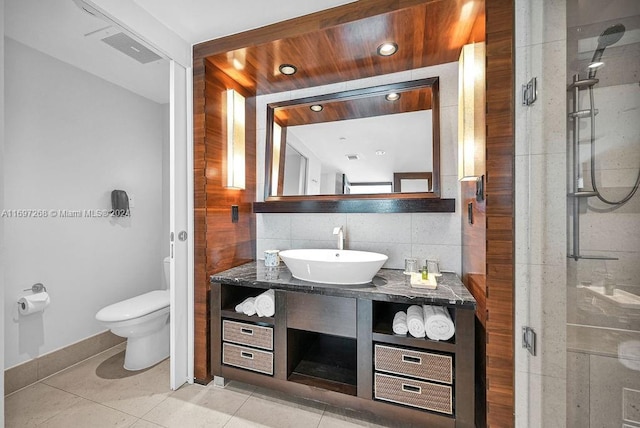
pixel 333 266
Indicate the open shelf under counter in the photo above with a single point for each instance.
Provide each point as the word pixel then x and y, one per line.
pixel 232 314
pixel 413 342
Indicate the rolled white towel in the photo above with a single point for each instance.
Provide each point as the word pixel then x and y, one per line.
pixel 400 323
pixel 248 306
pixel 437 323
pixel 240 307
pixel 415 321
pixel 266 304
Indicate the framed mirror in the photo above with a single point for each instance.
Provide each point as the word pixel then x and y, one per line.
pixel 341 151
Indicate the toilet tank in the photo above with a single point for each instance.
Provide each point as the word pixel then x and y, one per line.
pixel 166 264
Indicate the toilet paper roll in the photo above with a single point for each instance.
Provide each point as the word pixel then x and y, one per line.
pixel 33 303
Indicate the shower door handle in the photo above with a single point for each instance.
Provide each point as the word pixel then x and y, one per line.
pixel 182 236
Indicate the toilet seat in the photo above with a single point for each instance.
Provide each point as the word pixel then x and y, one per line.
pixel 135 307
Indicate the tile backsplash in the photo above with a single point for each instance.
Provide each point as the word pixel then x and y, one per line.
pixel 420 235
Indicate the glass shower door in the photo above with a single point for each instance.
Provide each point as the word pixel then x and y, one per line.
pixel 603 227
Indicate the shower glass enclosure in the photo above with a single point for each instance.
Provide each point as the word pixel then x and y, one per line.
pixel 603 213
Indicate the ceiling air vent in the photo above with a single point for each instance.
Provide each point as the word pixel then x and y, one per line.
pixel 353 157
pixel 131 48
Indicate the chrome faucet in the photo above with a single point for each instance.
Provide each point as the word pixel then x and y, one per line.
pixel 338 231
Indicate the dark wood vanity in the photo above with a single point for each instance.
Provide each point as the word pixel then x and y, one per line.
pixel 335 344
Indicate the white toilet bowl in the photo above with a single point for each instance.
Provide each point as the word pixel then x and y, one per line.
pixel 144 321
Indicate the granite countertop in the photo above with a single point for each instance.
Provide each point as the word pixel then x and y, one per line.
pixel 388 285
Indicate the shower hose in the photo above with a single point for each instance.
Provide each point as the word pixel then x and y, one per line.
pixel 633 191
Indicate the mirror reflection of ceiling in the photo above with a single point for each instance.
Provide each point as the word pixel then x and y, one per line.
pixel 353 108
pixel 401 137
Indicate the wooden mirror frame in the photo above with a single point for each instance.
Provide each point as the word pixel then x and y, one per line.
pixel 382 202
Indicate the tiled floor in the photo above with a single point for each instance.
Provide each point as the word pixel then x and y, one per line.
pixel 100 393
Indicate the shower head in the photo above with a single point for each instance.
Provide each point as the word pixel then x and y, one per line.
pixel 610 36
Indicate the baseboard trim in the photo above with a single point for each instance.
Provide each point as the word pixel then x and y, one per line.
pixel 32 371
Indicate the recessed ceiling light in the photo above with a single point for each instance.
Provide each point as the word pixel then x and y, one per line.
pixel 394 96
pixel 316 107
pixel 353 157
pixel 380 152
pixel 288 69
pixel 387 49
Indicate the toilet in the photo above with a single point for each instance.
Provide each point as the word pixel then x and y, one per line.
pixel 144 321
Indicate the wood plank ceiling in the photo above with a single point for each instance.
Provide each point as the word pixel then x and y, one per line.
pixel 427 34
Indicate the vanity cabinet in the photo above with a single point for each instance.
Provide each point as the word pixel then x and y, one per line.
pixel 335 344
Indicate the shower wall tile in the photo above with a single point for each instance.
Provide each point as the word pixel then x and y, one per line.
pixel 608 381
pixel 522 201
pixel 577 390
pixel 554 401
pixel 625 270
pixel 522 113
pixel 521 319
pixel 617 131
pixel 548 113
pixel 540 21
pixel 616 183
pixel 544 122
pixel 547 305
pixel 547 208
pixel 540 204
pixel 521 386
pixel 546 402
pixel 610 232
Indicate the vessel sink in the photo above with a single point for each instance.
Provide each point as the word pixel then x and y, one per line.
pixel 342 267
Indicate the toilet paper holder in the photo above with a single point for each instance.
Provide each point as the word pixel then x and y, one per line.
pixel 36 288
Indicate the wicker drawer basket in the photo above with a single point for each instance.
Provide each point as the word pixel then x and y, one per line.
pixel 247 358
pixel 414 393
pixel 418 364
pixel 247 334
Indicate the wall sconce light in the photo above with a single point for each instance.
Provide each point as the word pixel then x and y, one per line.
pixel 471 116
pixel 235 140
pixel 275 160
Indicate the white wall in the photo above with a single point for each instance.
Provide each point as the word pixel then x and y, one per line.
pixel 419 235
pixel 2 252
pixel 71 138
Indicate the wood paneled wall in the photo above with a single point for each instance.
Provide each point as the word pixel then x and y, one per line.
pixel 487 246
pixel 488 243
pixel 219 243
